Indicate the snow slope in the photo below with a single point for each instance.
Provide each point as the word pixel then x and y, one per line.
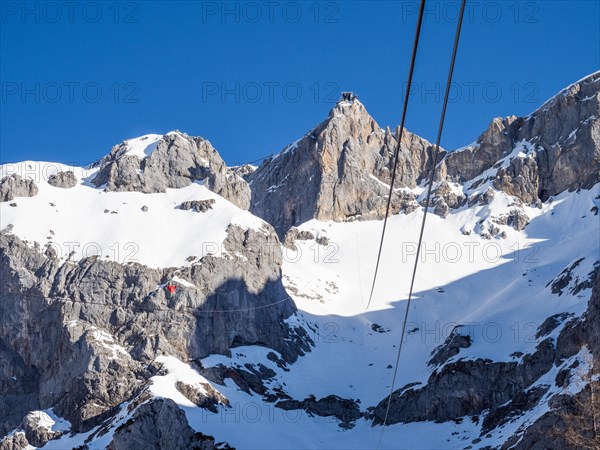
pixel 485 285
pixel 88 221
pixel 487 290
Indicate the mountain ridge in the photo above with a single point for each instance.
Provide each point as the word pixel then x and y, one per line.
pixel 220 313
pixel 543 172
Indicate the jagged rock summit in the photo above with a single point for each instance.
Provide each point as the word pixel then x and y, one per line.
pixel 153 163
pixel 340 170
pixel 556 148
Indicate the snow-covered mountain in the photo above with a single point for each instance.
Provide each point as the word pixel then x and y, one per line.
pixel 160 299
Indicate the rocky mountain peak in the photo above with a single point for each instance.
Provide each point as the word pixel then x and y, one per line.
pixel 354 113
pixel 347 120
pixel 340 170
pixel 562 139
pixel 153 163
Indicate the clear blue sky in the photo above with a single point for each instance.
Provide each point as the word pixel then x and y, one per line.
pixel 254 76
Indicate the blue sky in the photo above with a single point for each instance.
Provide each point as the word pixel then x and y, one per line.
pixel 254 76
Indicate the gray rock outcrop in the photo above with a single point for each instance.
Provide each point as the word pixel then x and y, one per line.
pixel 65 180
pixel 37 434
pixel 569 416
pixel 198 205
pixel 563 137
pixel 14 186
pixel 177 161
pixel 208 400
pixel 294 234
pixel 516 218
pixel 159 424
pixel 451 347
pixel 16 441
pixel 568 425
pixel 466 388
pixel 469 387
pixel 244 170
pixel 520 403
pixel 345 410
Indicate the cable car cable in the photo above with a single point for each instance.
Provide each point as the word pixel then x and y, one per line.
pixel 399 137
pixel 429 189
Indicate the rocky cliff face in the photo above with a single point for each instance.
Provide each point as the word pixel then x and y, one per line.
pixel 570 415
pixel 176 160
pixel 503 390
pixel 82 338
pixel 561 147
pixel 159 424
pixel 340 170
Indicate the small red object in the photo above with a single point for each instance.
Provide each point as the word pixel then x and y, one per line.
pixel 171 288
